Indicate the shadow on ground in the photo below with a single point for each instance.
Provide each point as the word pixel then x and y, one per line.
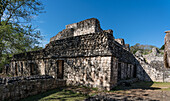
pixel 60 94
pixel 137 85
pixel 139 91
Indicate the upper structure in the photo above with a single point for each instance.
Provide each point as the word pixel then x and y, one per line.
pixel 167 50
pixel 81 28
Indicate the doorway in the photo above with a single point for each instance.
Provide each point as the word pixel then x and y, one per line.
pixel 119 72
pixel 31 69
pixel 34 69
pixel 60 69
pixel 134 71
pixel 16 69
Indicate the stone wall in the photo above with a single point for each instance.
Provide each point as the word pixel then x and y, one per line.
pixel 85 27
pixel 167 50
pixel 81 28
pixel 15 88
pixel 151 69
pixel 33 67
pixel 66 33
pixel 94 44
pixel 88 71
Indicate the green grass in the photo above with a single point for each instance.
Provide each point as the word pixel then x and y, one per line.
pixel 68 95
pixel 145 85
pixel 162 85
pixel 57 95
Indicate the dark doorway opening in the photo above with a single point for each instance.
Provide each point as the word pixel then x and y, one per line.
pixel 16 69
pixel 33 69
pixel 134 71
pixel 21 68
pixel 119 72
pixel 60 69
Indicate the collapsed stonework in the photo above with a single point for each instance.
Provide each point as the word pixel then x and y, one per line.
pixel 152 66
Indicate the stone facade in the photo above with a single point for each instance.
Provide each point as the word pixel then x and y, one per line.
pixel 81 28
pixel 81 54
pixel 167 50
pixel 150 67
pixel 15 88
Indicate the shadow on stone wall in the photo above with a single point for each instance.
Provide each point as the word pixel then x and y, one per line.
pixel 141 78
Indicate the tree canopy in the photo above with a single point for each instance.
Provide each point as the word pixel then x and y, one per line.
pixel 144 48
pixel 16 32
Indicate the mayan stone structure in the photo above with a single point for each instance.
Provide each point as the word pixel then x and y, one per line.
pixel 16 88
pixel 167 50
pixel 81 54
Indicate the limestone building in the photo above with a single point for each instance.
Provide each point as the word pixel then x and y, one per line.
pixel 82 54
pixel 167 50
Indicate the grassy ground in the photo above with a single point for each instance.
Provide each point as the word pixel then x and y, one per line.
pixel 57 95
pixel 146 85
pixel 162 86
pixel 81 93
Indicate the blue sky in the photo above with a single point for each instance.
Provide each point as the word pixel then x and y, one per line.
pixel 137 21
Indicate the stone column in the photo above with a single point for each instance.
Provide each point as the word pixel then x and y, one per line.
pixel 167 50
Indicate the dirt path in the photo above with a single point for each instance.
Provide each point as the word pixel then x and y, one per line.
pixel 133 95
pixel 142 91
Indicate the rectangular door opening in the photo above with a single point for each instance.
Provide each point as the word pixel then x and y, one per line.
pixel 60 69
pixel 119 72
pixel 16 69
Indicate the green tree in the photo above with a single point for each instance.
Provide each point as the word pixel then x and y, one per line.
pixel 162 48
pixel 16 32
pixel 144 48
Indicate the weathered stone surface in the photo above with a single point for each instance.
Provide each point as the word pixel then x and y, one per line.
pixel 155 55
pixel 85 27
pixel 91 57
pixel 151 67
pixel 167 50
pixel 15 88
pixel 63 34
pixel 120 41
pixel 81 28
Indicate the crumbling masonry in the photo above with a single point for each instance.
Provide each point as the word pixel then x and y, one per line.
pixel 81 54
pixel 84 54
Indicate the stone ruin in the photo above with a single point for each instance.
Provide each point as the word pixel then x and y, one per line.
pixel 167 50
pixel 151 66
pixel 84 54
pixel 76 29
pixel 81 54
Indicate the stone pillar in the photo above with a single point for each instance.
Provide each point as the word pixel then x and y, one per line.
pixel 167 50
